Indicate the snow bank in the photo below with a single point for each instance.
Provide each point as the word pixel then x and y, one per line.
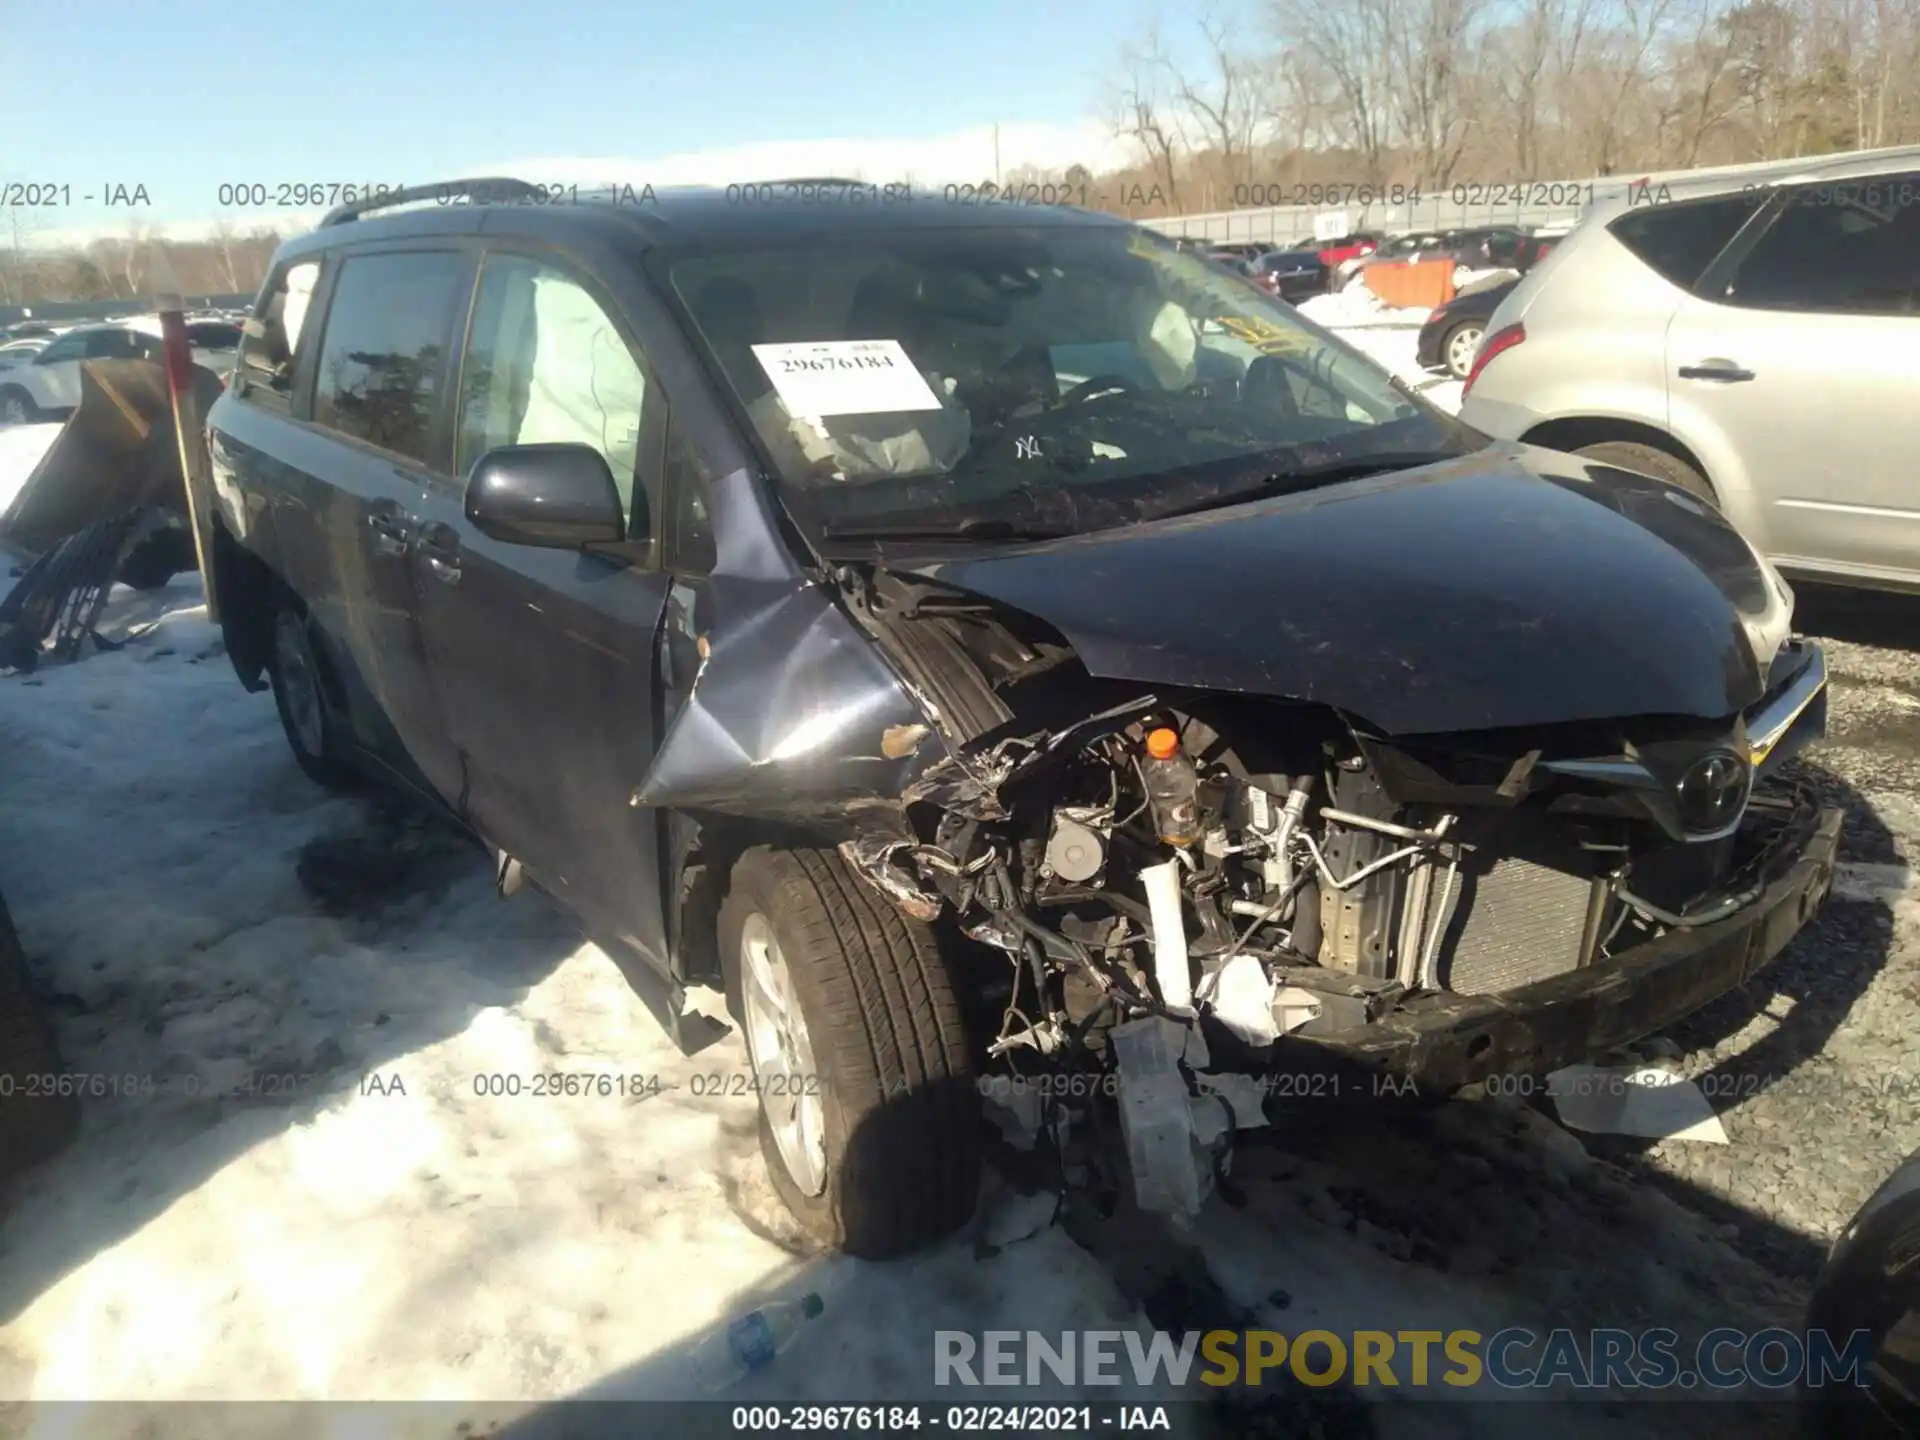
pixel 1355 306
pixel 21 448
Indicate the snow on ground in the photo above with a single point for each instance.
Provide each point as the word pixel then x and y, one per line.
pixel 21 447
pixel 1388 335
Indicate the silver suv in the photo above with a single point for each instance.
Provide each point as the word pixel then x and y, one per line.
pixel 1755 343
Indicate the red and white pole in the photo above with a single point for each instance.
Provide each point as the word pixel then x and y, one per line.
pixel 195 468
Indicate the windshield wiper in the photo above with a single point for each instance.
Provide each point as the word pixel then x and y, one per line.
pixel 1308 477
pixel 970 529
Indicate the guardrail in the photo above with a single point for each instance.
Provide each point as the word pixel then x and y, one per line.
pixel 1473 204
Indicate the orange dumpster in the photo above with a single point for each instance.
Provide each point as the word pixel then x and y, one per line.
pixel 1421 284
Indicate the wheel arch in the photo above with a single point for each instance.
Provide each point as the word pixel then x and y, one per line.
pixel 700 850
pixel 1571 432
pixel 249 591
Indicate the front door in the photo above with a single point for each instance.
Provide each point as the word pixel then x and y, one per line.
pixel 545 658
pixel 1804 357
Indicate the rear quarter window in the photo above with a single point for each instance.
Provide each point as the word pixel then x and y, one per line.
pixel 270 341
pixel 1678 241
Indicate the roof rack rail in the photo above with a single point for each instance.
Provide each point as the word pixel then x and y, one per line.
pixel 480 191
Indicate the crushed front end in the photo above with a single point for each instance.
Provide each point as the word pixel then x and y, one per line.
pixel 1192 890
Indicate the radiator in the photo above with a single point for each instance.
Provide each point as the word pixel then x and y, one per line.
pixel 1506 924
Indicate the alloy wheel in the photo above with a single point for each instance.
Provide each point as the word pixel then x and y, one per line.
pixel 1461 346
pixel 782 1054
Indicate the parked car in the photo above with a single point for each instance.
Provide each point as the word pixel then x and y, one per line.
pixel 1536 245
pixel 215 342
pixel 1343 254
pixel 15 352
pixel 1753 345
pixel 46 386
pixel 865 617
pixel 1296 274
pixel 1866 1307
pixel 1452 333
pixel 1498 248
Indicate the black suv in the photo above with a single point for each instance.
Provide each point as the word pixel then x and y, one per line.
pixel 1000 648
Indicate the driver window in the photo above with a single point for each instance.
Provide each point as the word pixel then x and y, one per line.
pixel 67 347
pixel 545 364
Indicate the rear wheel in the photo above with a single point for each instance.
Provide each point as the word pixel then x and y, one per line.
pixel 1652 460
pixel 299 694
pixel 869 1118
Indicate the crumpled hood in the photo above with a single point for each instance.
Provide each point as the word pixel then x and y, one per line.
pixel 1514 586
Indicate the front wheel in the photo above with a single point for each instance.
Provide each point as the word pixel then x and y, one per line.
pixel 16 407
pixel 869 1116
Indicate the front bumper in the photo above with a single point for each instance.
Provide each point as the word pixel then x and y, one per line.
pixel 1444 1042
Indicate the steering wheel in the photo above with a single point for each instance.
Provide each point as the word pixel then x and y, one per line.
pixel 1095 386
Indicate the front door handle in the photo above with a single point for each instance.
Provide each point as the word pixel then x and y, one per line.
pixel 439 546
pixel 1723 370
pixel 392 531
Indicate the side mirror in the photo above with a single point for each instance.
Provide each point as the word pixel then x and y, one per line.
pixel 557 496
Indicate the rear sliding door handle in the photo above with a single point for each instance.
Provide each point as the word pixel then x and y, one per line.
pixel 439 546
pixel 1722 370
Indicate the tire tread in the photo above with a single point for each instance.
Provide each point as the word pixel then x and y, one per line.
pixel 899 1051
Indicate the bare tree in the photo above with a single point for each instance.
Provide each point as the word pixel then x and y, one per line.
pixel 1227 103
pixel 1349 43
pixel 224 238
pixel 1141 114
pixel 1429 50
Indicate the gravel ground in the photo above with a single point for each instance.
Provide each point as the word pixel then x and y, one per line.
pixel 1813 1070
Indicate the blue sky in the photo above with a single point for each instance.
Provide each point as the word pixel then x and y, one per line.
pixel 181 97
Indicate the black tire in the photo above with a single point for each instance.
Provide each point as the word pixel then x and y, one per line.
pixel 1652 460
pixel 895 1074
pixel 16 406
pixel 1453 337
pixel 294 663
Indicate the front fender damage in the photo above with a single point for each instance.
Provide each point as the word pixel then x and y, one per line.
pixel 790 715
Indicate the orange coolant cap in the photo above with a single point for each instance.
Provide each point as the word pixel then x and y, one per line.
pixel 1163 744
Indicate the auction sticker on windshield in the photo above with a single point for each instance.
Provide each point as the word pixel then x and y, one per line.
pixel 845 377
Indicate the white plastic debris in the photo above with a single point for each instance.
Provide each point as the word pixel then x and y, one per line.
pixel 1645 1101
pixel 1242 1092
pixel 1157 1119
pixel 1294 1007
pixel 1241 994
pixel 1195 1055
pixel 1209 1119
pixel 1016 1110
pixel 1170 968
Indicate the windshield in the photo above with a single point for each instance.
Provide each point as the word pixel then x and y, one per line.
pixel 1053 380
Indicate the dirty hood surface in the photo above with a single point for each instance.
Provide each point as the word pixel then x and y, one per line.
pixel 1513 586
